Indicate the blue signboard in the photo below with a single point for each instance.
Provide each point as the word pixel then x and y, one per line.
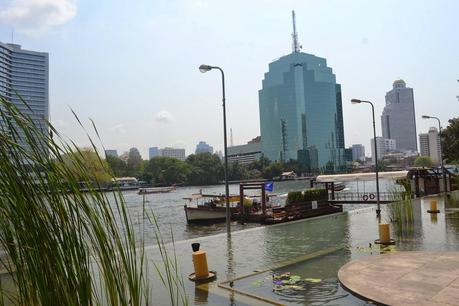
pixel 269 186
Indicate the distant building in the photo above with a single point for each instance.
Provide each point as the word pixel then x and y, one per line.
pixel 430 145
pixel 172 152
pixel 358 152
pixel 203 147
pixel 245 154
pixel 24 75
pixel 424 144
pixel 301 111
pixel 348 155
pixel 384 146
pixel 153 152
pixel 113 153
pixel 220 154
pixel 398 119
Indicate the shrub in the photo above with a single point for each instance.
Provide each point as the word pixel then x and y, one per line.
pixel 306 196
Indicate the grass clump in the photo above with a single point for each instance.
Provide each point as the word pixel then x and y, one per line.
pixel 62 246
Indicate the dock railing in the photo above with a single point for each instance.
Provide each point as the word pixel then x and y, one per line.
pixel 363 197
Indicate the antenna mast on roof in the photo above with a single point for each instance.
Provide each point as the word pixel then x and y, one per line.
pixel 295 46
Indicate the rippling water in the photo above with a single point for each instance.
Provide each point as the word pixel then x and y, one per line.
pixel 169 211
pixel 275 247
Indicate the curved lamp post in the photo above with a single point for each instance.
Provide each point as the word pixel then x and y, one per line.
pixel 357 101
pixel 203 69
pixel 443 170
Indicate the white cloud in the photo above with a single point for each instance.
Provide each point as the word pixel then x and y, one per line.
pixel 164 116
pixel 36 16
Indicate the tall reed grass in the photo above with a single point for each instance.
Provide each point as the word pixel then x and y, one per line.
pixel 401 211
pixel 62 246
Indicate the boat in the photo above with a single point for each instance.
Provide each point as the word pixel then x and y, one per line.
pixel 147 190
pixel 339 186
pixel 208 208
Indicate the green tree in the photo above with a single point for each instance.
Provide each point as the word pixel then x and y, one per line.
pixel 94 167
pixel 382 165
pixel 423 161
pixel 117 166
pixel 133 162
pixel 274 169
pixel 450 141
pixel 205 169
pixel 237 171
pixel 165 171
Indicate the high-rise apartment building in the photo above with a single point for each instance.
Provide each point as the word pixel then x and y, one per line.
pixel 301 111
pixel 203 147
pixel 384 146
pixel 24 75
pixel 358 152
pixel 424 144
pixel 398 119
pixel 430 145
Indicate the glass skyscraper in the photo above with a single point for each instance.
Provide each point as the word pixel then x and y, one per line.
pixel 301 112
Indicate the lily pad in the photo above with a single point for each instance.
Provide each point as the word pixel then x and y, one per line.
pixel 313 280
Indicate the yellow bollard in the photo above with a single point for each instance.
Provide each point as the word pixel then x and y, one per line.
pixel 434 218
pixel 384 233
pixel 433 207
pixel 200 264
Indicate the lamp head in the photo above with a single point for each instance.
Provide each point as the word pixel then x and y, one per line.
pixel 356 101
pixel 425 117
pixel 205 68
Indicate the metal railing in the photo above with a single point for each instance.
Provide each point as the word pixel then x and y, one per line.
pixel 365 196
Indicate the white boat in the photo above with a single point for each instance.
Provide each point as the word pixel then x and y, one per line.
pixel 207 208
pixel 155 190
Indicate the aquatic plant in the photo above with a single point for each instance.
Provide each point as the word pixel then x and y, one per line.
pixel 63 246
pixel 306 196
pixel 401 212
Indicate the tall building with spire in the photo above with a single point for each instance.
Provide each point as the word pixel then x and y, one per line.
pixel 398 120
pixel 301 111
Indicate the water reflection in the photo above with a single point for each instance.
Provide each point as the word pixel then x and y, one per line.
pixel 267 247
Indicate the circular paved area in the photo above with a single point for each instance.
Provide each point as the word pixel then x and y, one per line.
pixel 405 278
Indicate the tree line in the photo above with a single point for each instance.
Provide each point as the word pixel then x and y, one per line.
pixel 196 169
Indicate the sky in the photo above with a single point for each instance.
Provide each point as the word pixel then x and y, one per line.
pixel 132 66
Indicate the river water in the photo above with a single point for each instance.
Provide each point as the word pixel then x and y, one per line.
pixel 169 211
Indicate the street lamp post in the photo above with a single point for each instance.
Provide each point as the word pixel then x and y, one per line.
pixel 443 170
pixel 357 101
pixel 203 69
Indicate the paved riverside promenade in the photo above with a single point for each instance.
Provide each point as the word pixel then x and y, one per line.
pixel 404 278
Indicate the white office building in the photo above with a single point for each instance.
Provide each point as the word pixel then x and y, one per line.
pixel 430 145
pixel 384 146
pixel 24 75
pixel 173 152
pixel 398 119
pixel 245 154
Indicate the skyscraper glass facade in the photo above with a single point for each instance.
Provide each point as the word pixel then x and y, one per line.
pixel 301 112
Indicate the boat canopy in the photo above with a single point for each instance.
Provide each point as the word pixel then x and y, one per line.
pixel 392 175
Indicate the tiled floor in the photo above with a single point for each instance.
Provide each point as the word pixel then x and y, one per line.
pixel 405 278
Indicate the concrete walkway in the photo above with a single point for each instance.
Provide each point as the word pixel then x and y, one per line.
pixel 405 278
